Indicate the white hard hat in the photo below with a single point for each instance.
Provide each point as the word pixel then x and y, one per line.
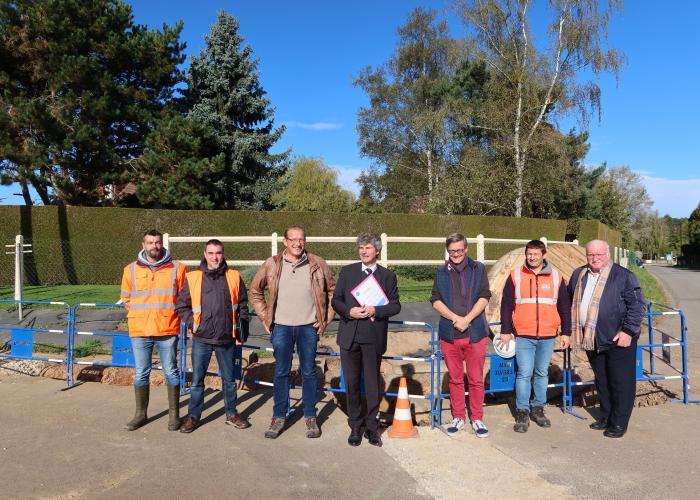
pixel 501 349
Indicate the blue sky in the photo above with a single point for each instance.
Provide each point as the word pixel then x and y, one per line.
pixel 310 51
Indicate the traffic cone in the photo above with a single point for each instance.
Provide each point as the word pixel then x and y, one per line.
pixel 402 426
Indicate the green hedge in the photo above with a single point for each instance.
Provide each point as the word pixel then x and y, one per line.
pixel 84 245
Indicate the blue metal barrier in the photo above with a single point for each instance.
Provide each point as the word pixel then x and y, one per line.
pixel 430 397
pixel 652 373
pixel 502 374
pixel 184 370
pixel 122 353
pixel 22 340
pixel 501 377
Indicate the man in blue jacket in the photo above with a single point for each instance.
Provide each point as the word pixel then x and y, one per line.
pixel 460 294
pixel 607 306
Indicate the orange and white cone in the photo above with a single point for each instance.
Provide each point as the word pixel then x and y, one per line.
pixel 403 422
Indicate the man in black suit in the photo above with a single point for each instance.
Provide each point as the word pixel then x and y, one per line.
pixel 362 335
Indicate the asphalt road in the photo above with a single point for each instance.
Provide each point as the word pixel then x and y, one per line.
pixel 71 444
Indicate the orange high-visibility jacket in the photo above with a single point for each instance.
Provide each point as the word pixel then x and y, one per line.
pixel 194 281
pixel 152 297
pixel 536 296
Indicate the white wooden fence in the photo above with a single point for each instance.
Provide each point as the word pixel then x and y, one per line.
pixel 274 239
pixel 19 248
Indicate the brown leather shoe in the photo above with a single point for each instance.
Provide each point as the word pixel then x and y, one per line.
pixel 276 426
pixel 189 424
pixel 312 430
pixel 237 421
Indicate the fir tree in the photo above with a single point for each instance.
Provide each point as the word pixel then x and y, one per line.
pixel 224 93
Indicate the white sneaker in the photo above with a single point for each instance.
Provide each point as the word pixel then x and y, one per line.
pixel 454 427
pixel 480 429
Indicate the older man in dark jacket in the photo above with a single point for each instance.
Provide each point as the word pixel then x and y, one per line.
pixel 607 306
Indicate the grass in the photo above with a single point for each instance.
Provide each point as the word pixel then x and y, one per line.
pixel 410 290
pixel 413 290
pixel 72 294
pixel 90 347
pixel 650 286
pixel 49 348
pixel 262 353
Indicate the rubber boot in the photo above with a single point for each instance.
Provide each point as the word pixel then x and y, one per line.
pixel 140 418
pixel 173 407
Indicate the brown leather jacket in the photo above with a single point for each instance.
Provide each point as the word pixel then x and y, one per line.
pixel 267 278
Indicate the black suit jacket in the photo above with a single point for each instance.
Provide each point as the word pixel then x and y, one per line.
pixel 343 301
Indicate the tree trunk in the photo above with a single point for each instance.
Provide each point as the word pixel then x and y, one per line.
pixel 41 191
pixel 519 171
pixel 519 155
pixel 25 192
pixel 429 156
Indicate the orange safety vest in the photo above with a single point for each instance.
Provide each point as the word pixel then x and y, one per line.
pixel 152 297
pixel 535 313
pixel 194 281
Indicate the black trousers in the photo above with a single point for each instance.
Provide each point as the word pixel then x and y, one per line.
pixel 361 359
pixel 615 379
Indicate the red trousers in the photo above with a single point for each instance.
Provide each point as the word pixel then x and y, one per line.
pixel 455 355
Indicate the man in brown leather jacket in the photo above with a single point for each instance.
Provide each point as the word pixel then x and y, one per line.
pixel 297 310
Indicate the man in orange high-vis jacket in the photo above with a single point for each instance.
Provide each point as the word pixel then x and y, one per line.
pixel 150 286
pixel 214 305
pixel 534 305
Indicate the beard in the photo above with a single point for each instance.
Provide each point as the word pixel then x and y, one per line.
pixel 155 253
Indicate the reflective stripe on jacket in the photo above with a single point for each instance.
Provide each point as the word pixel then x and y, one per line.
pixel 152 296
pixel 194 281
pixel 536 295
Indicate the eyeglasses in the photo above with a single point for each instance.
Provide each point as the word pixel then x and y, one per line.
pixel 456 252
pixel 296 240
pixel 599 255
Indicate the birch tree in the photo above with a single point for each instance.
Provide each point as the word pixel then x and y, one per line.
pixel 405 127
pixel 536 80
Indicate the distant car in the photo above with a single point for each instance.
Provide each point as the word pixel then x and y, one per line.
pixel 638 262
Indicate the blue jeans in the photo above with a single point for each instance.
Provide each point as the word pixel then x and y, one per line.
pixel 532 357
pixel 284 338
pixel 201 355
pixel 143 358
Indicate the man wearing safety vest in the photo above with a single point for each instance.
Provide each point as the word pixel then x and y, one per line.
pixel 214 306
pixel 149 291
pixel 535 304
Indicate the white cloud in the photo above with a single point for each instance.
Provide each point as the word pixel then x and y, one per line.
pixel 347 177
pixel 318 126
pixel 675 197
